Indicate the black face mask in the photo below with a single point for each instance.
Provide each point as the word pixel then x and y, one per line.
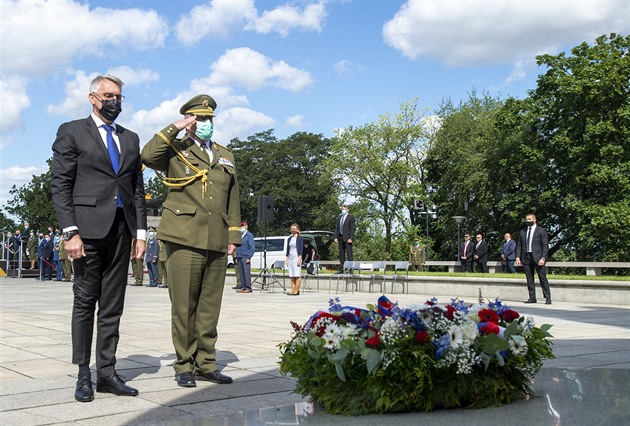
pixel 529 223
pixel 110 109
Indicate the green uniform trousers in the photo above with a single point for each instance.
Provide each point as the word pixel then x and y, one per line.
pixel 137 266
pixel 162 274
pixel 196 279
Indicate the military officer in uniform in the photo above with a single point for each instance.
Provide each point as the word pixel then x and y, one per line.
pixel 162 258
pixel 416 255
pixel 200 227
pixel 137 265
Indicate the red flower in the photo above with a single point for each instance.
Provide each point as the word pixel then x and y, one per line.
pixel 509 315
pixel 488 315
pixel 373 341
pixel 490 327
pixel 422 337
pixel 450 310
pixel 429 303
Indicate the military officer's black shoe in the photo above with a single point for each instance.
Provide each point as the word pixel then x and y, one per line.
pixel 215 377
pixel 186 380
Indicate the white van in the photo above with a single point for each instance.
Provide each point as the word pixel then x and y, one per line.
pixel 277 247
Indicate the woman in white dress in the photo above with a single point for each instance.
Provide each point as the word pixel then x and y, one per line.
pixel 295 249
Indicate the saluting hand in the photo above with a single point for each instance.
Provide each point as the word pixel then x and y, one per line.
pixel 185 122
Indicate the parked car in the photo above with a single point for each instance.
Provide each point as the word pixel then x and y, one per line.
pixel 274 248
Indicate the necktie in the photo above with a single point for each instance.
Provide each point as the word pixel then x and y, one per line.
pixel 465 245
pixel 529 241
pixel 114 155
pixel 204 149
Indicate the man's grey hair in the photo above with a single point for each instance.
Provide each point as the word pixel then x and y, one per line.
pixel 96 83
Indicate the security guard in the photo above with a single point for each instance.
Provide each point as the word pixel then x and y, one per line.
pixel 200 227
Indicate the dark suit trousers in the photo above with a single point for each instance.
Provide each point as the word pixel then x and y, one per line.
pixel 529 266
pixel 482 267
pixel 345 249
pixel 467 265
pixel 100 276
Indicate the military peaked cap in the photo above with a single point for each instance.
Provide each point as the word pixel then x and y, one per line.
pixel 201 105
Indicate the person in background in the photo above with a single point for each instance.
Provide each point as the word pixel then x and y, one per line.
pixel 200 228
pixel 66 264
pixel 31 248
pixel 98 192
pixel 508 254
pixel 243 259
pixel 137 266
pixel 309 253
pixel 344 235
pixel 162 258
pixel 295 247
pixel 531 252
pixel 151 257
pixel 417 255
pixel 56 259
pixel 47 257
pixel 481 254
pixel 466 253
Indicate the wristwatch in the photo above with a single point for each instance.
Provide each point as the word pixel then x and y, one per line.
pixel 67 236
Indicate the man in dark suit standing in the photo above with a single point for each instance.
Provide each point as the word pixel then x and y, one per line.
pixel 531 252
pixel 344 235
pixel 47 258
pixel 466 251
pixel 508 254
pixel 481 254
pixel 98 192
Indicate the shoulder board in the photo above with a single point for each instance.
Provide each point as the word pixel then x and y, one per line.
pixel 219 145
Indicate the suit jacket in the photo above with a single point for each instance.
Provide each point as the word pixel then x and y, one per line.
pixel 153 250
pixel 247 247
pixel 47 249
pixel 84 185
pixel 540 244
pixel 299 245
pixel 205 221
pixel 482 251
pixel 508 250
pixel 348 228
pixel 470 250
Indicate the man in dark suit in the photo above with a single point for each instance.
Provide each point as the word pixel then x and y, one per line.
pixel 508 254
pixel 47 258
pixel 531 252
pixel 481 254
pixel 344 235
pixel 466 252
pixel 98 192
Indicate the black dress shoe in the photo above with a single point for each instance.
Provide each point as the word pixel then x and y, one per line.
pixel 548 302
pixel 114 384
pixel 530 301
pixel 215 377
pixel 186 380
pixel 84 391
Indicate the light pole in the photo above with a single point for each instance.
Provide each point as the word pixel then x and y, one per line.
pixel 459 220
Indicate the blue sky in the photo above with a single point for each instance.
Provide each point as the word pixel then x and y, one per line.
pixel 314 66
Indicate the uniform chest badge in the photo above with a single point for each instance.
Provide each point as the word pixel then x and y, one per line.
pixel 187 170
pixel 186 154
pixel 225 162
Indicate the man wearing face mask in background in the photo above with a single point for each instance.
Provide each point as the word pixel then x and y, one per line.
pixel 98 192
pixel 200 227
pixel 344 234
pixel 531 252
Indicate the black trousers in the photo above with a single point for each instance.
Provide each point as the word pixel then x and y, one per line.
pixel 467 265
pixel 345 249
pixel 100 276
pixel 529 266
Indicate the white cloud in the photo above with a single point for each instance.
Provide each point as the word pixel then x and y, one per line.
pixel 295 121
pixel 346 68
pixel 13 99
pixel 285 18
pixel 76 104
pixel 251 69
pixel 490 32
pixel 240 122
pixel 219 19
pixel 215 19
pixel 38 36
pixel 18 176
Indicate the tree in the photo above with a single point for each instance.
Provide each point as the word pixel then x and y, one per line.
pixel 32 201
pixel 569 144
pixel 290 171
pixel 375 162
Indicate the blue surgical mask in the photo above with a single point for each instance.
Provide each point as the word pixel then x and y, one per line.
pixel 205 130
pixel 344 211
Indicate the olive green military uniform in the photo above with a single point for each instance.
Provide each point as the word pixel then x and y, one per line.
pixel 66 264
pixel 31 247
pixel 162 257
pixel 416 257
pixel 200 217
pixel 137 265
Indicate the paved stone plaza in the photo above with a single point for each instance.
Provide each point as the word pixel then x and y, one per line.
pixel 588 382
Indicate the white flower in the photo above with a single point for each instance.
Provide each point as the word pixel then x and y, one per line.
pixel 518 345
pixel 457 336
pixel 470 330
